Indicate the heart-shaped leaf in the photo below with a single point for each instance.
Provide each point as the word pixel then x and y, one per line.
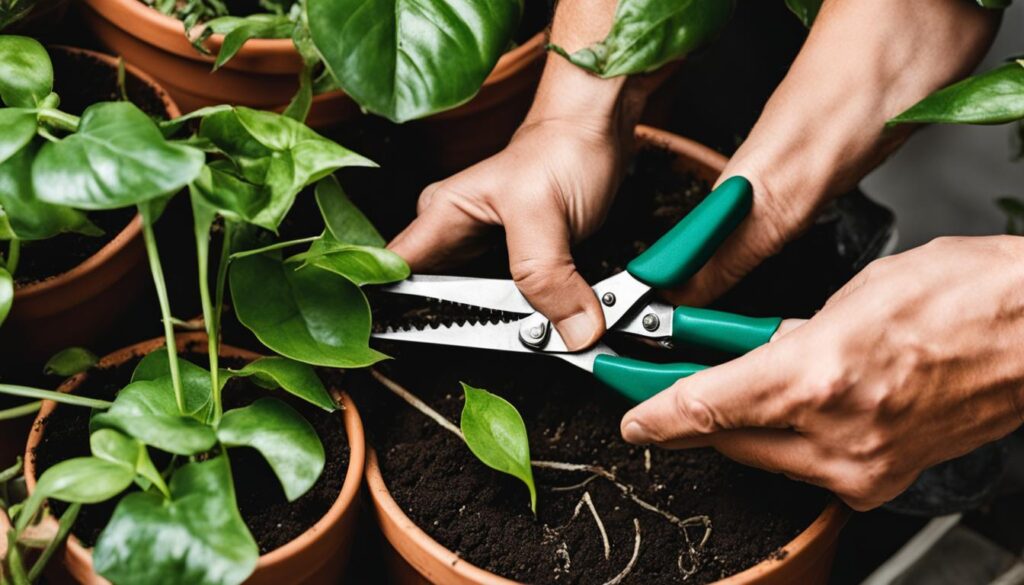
pixel 647 34
pixel 406 59
pixel 345 222
pixel 496 434
pixel 117 158
pixel 110 445
pixel 195 381
pixel 286 440
pixel 230 195
pixel 309 315
pixel 994 97
pixel 196 537
pixel 360 264
pixel 17 128
pixel 29 217
pixel 147 410
pixel 70 361
pixel 26 73
pixel 294 377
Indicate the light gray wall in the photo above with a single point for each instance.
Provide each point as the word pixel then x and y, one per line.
pixel 944 180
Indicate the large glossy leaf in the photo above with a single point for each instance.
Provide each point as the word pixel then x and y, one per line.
pixel 239 30
pixel 647 34
pixel 195 381
pixel 6 294
pixel 406 59
pixel 309 315
pixel 26 74
pixel 231 195
pixel 286 440
pixel 343 219
pixel 805 10
pixel 70 361
pixel 29 217
pixel 17 127
pixel 195 537
pixel 147 410
pixel 85 480
pixel 360 264
pixel 118 158
pixel 496 434
pixel 994 97
pixel 294 377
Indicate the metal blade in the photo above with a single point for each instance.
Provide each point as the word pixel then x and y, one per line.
pixel 488 293
pixel 493 336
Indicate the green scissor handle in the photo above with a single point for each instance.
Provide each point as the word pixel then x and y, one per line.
pixel 720 330
pixel 680 253
pixel 639 380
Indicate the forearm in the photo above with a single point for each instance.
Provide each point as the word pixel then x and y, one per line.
pixel 864 62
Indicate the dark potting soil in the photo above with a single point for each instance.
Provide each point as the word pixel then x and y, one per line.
pixel 80 81
pixel 272 520
pixel 484 515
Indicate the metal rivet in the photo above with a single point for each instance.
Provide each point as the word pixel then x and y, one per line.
pixel 608 299
pixel 537 332
pixel 651 322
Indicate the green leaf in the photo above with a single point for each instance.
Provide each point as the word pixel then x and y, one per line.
pixel 26 74
pixel 343 219
pixel 310 315
pixel 286 440
pixel 29 217
pixel 147 410
pixel 406 59
pixel 70 361
pixel 496 434
pixel 110 445
pixel 994 4
pixel 85 480
pixel 238 30
pixel 230 195
pixel 17 128
pixel 118 158
pixel 6 294
pixel 360 264
pixel 647 34
pixel 994 97
pixel 195 537
pixel 294 377
pixel 195 381
pixel 805 10
pixel 171 127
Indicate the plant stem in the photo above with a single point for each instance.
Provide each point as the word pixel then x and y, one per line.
pixel 165 307
pixel 59 120
pixel 222 269
pixel 202 233
pixel 13 256
pixel 63 528
pixel 273 247
pixel 62 397
pixel 20 411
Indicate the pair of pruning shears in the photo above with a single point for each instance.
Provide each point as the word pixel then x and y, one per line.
pixel 626 302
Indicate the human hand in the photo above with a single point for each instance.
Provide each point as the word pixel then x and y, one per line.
pixel 917 360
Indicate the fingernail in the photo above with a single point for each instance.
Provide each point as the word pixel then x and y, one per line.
pixel 634 432
pixel 577 330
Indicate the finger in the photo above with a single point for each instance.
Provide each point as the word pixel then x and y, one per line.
pixel 749 391
pixel 442 235
pixel 786 327
pixel 542 266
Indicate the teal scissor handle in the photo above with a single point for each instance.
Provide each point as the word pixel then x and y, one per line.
pixel 639 380
pixel 720 330
pixel 681 252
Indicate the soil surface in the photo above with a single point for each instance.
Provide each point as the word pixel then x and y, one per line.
pixel 272 520
pixel 484 515
pixel 80 81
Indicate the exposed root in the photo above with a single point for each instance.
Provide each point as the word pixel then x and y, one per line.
pixel 416 403
pixel 632 561
pixel 586 500
pixel 575 486
pixel 647 460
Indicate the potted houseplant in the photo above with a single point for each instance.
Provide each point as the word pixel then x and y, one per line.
pixel 243 169
pixel 438 508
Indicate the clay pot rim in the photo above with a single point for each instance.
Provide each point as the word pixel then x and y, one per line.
pixel 148 17
pixel 834 514
pixel 346 497
pixel 130 232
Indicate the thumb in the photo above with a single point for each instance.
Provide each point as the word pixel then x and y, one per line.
pixel 542 267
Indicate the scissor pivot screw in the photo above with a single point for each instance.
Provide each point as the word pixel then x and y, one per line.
pixel 651 322
pixel 608 299
pixel 537 332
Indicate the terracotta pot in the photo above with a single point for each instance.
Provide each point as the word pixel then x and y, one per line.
pixel 76 307
pixel 263 73
pixel 416 558
pixel 317 557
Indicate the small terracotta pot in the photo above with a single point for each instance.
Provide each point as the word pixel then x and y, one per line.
pixel 317 557
pixel 76 307
pixel 264 72
pixel 416 558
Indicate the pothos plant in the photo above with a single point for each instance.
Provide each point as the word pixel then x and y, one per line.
pixel 401 60
pixel 242 170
